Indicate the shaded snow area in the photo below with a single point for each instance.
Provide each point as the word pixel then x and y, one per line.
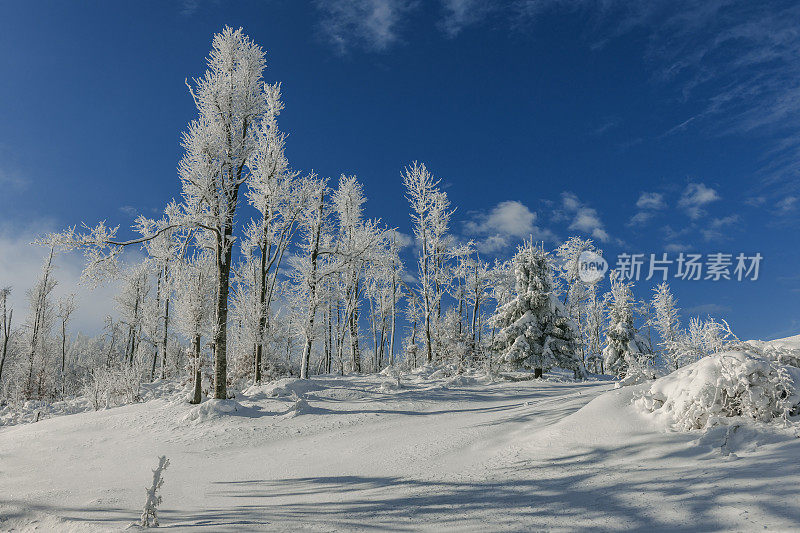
pixel 431 450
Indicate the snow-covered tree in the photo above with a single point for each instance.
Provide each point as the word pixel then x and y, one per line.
pixel 149 516
pixel 278 196
pixel 307 273
pixel 534 331
pixel 593 329
pixel 667 324
pixel 66 307
pixel 37 329
pixel 231 100
pixel 194 282
pixel 577 292
pixel 430 216
pixel 702 338
pixel 625 351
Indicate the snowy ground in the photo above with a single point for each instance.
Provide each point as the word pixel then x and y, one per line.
pixel 437 454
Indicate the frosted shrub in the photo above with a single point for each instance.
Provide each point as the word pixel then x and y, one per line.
pixel 149 516
pixel 106 386
pixel 98 386
pixel 782 354
pixel 728 384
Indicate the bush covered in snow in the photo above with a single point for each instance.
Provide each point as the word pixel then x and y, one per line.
pixel 727 384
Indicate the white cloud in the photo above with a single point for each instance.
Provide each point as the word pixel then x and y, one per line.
pixel 403 240
pixel 695 196
pixel 714 229
pixel 584 219
pixel 506 222
pixel 647 204
pixel 640 218
pixel 786 204
pixel 676 247
pixel 509 218
pixel 651 200
pixel 458 14
pixel 11 179
pixel 21 264
pixel 706 309
pixel 755 201
pixel 372 24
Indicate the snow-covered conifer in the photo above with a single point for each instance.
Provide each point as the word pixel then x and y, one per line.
pixel 624 350
pixel 534 331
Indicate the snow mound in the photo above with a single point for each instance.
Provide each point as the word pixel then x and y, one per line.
pixel 636 375
pixel 211 409
pixel 391 372
pixel 35 410
pixel 282 388
pixel 390 385
pixel 461 381
pixel 785 351
pixel 300 407
pixel 723 385
pixel 738 435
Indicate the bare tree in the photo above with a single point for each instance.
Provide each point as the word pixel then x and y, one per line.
pixel 66 306
pixel 8 316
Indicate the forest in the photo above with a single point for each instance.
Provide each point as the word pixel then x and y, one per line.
pixel 261 271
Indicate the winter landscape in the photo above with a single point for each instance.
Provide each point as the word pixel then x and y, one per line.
pixel 292 266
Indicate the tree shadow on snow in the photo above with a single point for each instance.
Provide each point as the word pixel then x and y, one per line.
pixel 667 489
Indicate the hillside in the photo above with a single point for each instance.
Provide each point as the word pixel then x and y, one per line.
pixel 438 453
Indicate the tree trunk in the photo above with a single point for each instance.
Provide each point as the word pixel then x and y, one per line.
pixel 164 339
pixel 354 341
pixel 221 331
pixel 394 320
pixel 6 335
pixel 262 312
pixel 197 395
pixel 537 372
pixel 63 357
pixel 312 288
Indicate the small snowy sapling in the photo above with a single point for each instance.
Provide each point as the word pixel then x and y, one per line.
pixel 149 516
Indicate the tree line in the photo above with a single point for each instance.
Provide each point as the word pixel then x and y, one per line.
pixel 306 284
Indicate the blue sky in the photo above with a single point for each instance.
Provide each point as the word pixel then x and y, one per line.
pixel 650 126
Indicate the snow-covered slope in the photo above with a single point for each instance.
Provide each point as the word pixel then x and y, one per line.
pixel 792 342
pixel 437 454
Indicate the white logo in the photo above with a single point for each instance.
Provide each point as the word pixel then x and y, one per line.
pixel 591 267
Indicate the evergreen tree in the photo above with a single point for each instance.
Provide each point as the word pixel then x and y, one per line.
pixel 625 351
pixel 534 331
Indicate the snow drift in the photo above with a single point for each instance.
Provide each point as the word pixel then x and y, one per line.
pixel 727 384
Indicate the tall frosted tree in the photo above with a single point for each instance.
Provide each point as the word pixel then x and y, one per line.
pixel 430 216
pixel 667 324
pixel 278 196
pixel 38 326
pixel 625 351
pixel 577 293
pixel 534 331
pixel 231 99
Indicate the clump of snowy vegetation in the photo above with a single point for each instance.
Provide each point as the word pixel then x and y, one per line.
pixel 723 385
pixel 149 516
